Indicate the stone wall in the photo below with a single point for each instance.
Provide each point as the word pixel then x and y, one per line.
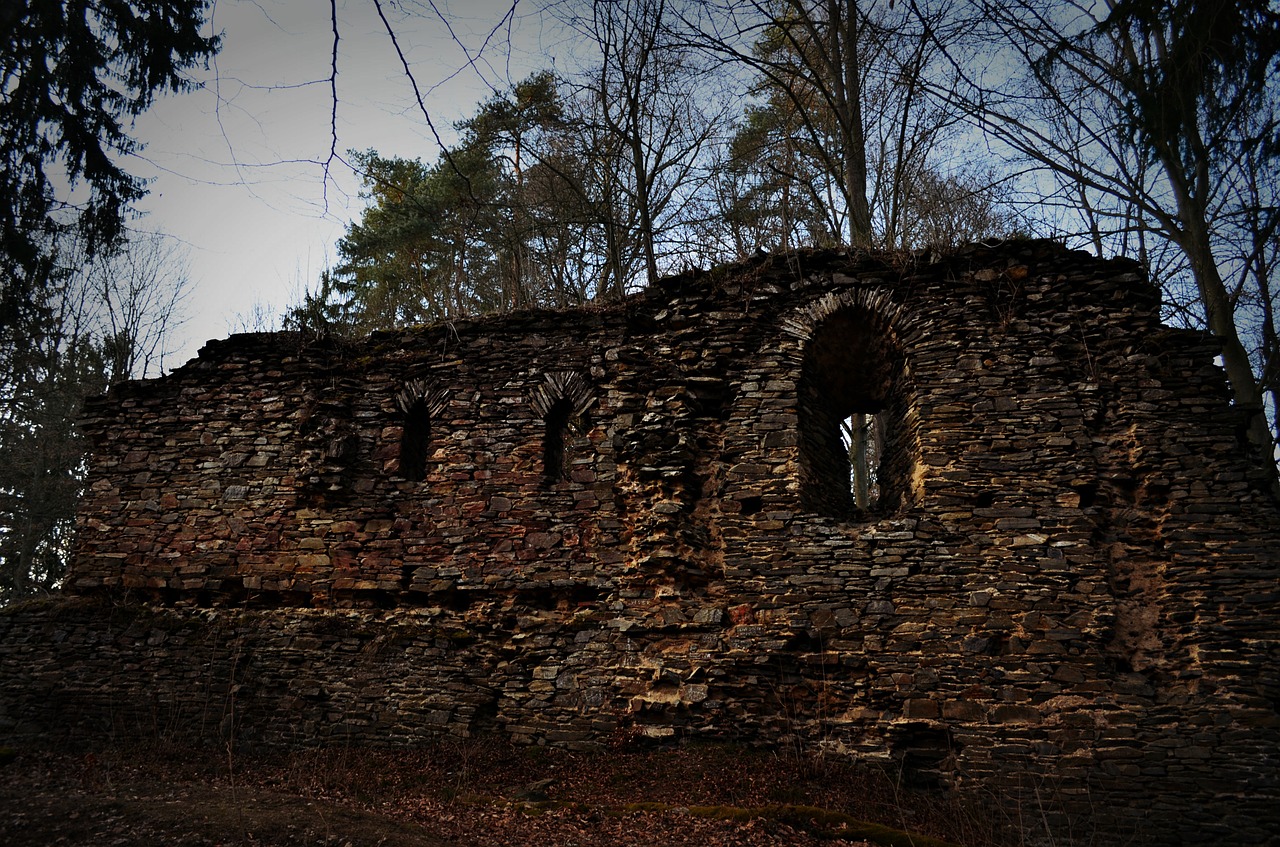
pixel 636 521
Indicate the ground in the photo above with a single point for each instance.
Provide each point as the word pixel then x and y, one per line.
pixel 451 794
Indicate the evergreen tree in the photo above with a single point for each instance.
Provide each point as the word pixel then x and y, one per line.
pixel 72 77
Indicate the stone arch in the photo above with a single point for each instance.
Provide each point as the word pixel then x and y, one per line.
pixel 561 400
pixel 856 427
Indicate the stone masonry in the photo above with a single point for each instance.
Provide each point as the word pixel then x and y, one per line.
pixel 635 522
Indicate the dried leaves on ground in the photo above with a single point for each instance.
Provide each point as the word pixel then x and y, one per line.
pixel 456 793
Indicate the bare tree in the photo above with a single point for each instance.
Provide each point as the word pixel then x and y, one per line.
pixel 1159 122
pixel 841 87
pixel 138 295
pixel 809 53
pixel 645 108
pixel 105 319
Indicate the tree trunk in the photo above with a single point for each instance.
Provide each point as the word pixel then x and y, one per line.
pixel 843 26
pixel 858 438
pixel 1221 319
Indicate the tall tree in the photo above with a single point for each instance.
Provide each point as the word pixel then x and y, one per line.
pixel 101 320
pixel 487 227
pixel 72 76
pixel 773 192
pixel 49 372
pixel 808 52
pixel 645 101
pixel 41 457
pixel 543 205
pixel 841 87
pixel 423 249
pixel 1160 119
pixel 554 194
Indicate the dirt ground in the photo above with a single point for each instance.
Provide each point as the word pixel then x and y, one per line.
pixel 459 793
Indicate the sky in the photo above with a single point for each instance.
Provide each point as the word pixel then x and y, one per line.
pixel 237 166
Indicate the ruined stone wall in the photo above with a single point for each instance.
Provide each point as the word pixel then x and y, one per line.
pixel 635 521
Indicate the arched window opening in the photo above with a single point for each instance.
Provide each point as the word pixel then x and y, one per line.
pixel 561 400
pixel 556 456
pixel 415 442
pixel 856 450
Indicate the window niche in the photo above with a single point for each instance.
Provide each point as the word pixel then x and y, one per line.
pixel 415 442
pixel 561 400
pixel 856 447
pixel 418 404
pixel 556 457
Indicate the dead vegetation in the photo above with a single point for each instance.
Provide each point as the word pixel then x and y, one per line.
pixel 477 792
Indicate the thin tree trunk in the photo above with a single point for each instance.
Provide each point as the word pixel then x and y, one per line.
pixel 843 25
pixel 858 431
pixel 1221 319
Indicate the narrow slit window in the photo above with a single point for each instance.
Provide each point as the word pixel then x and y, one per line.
pixel 555 452
pixel 415 442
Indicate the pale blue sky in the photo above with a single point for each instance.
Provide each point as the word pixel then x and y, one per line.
pixel 236 164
